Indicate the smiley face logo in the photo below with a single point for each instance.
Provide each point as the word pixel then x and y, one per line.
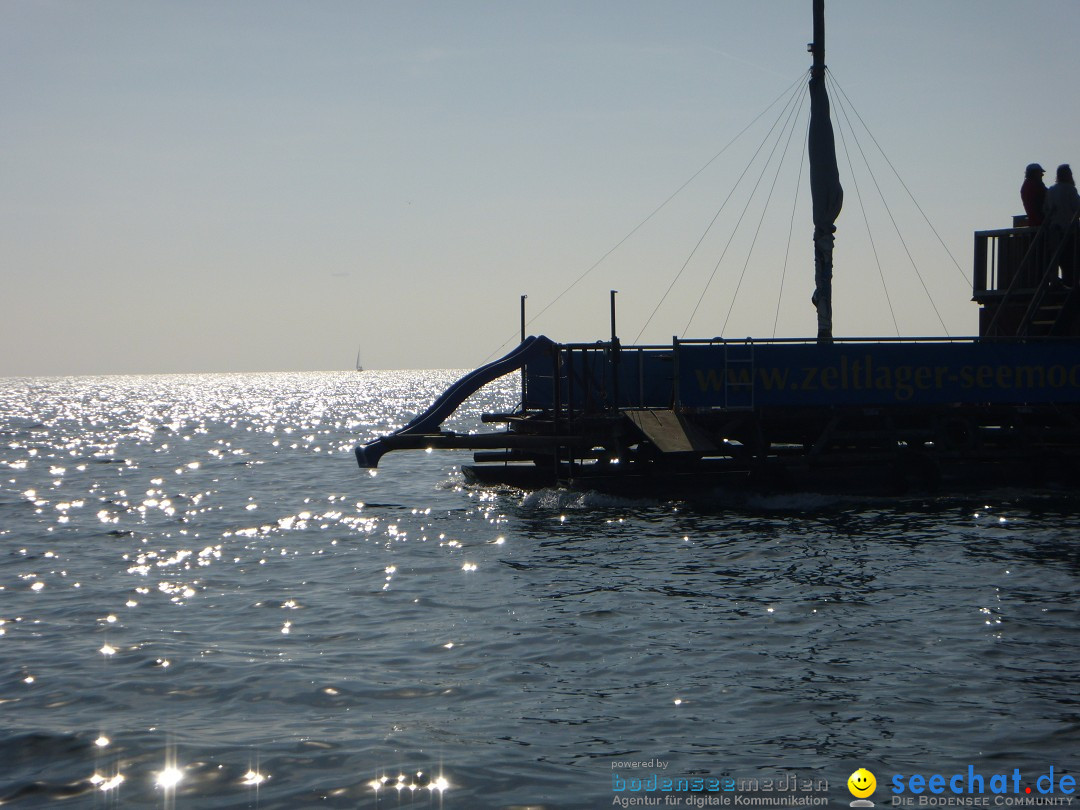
pixel 861 783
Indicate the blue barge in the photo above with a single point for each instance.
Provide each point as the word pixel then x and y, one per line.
pixel 822 413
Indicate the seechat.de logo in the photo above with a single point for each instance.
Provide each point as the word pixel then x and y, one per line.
pixel 862 784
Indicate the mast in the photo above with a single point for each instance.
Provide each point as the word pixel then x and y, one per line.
pixel 825 189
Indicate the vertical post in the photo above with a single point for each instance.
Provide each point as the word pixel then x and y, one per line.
pixel 613 337
pixel 525 369
pixel 555 427
pixel 641 377
pixel 569 371
pixel 979 277
pixel 614 357
pixel 675 398
pixel 819 37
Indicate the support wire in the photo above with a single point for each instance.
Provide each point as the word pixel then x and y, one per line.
pixel 892 219
pixel 655 211
pixel 866 219
pixel 787 108
pixel 915 202
pixel 791 226
pixel 780 164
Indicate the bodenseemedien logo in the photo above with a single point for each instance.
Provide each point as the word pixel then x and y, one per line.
pixel 862 785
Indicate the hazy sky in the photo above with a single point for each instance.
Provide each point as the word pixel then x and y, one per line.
pixel 233 186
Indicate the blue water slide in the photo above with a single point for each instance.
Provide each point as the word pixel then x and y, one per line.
pixel 431 420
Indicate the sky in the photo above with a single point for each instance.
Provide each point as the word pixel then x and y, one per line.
pixel 254 186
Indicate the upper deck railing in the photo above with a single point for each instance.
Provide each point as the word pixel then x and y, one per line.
pixel 1007 258
pixel 1023 282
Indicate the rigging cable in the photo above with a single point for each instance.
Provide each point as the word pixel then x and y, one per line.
pixel 657 210
pixel 918 207
pixel 862 208
pixel 746 208
pixel 780 164
pixel 791 225
pixel 896 227
pixel 794 93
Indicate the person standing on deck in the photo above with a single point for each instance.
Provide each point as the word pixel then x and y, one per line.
pixel 1033 194
pixel 1060 212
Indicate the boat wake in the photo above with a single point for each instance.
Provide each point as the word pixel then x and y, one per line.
pixel 560 498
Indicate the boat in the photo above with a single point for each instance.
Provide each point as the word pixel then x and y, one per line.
pixel 821 413
pixel 359 365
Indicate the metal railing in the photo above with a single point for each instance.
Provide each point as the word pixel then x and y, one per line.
pixel 1017 267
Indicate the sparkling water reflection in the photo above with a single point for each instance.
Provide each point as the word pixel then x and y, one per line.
pixel 203 603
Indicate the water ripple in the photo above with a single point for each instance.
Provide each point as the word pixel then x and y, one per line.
pixel 204 604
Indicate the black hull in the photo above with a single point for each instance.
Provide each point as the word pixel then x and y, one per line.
pixel 853 451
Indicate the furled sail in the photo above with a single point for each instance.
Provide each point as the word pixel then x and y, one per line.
pixel 825 189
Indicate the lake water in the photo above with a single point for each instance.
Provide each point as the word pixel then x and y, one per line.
pixel 204 603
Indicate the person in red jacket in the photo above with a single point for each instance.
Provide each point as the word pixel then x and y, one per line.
pixel 1033 194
